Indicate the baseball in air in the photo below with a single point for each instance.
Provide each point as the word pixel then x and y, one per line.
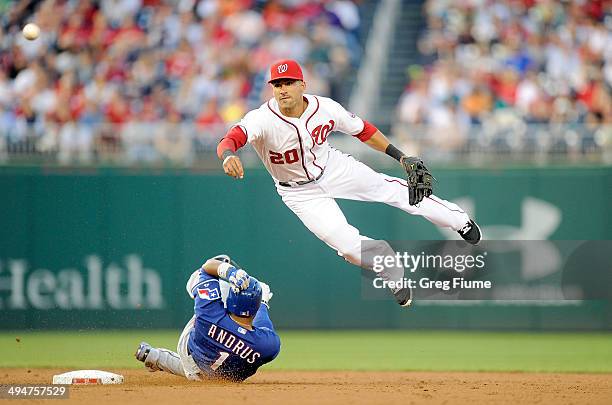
pixel 31 31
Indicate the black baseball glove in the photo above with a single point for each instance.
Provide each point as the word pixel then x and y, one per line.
pixel 419 179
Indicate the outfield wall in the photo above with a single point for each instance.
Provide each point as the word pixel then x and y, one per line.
pixel 112 248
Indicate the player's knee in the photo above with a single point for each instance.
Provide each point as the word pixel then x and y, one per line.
pixel 351 254
pixel 363 253
pixel 347 242
pixel 351 257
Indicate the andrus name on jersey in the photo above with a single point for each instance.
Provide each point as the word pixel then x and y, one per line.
pixel 234 344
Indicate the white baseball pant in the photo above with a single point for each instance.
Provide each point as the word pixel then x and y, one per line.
pixel 347 178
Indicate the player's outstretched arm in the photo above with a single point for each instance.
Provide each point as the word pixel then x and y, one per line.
pixel 226 150
pixel 378 142
pixel 418 176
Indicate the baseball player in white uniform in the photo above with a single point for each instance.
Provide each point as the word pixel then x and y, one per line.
pixel 289 133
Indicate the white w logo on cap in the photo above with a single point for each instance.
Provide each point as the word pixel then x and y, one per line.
pixel 282 68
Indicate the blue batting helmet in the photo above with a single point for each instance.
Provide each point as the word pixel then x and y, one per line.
pixel 245 302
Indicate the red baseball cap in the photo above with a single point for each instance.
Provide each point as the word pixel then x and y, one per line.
pixel 286 69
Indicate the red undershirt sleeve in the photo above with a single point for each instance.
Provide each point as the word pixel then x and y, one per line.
pixel 367 132
pixel 233 140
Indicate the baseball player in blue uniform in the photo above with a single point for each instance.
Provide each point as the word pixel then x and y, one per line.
pixel 228 341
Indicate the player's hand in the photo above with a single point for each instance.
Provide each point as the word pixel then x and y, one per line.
pixel 232 166
pixel 266 294
pixel 239 280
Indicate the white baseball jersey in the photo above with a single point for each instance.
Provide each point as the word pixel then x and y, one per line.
pixel 296 149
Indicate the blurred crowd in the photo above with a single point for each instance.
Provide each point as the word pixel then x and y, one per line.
pixel 145 80
pixel 505 65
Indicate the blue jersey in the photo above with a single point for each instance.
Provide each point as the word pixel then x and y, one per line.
pixel 219 346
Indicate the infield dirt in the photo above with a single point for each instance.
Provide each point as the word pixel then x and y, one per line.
pixel 333 387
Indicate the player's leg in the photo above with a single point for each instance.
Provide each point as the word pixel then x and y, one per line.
pixel 178 363
pixel 351 179
pixel 323 217
pixel 160 359
pixel 190 368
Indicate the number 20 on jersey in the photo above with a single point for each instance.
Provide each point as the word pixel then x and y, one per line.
pixel 288 157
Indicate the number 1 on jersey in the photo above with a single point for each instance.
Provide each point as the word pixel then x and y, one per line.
pixel 220 360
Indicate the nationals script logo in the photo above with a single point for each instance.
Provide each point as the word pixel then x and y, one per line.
pixel 282 68
pixel 319 134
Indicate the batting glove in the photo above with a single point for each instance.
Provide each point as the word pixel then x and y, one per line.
pixel 239 280
pixel 266 294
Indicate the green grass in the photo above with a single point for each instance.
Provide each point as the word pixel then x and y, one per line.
pixel 337 350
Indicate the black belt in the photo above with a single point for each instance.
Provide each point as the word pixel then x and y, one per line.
pixel 300 183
